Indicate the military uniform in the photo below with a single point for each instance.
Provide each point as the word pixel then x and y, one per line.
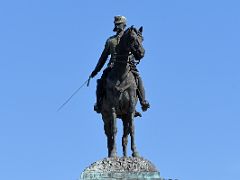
pixel 110 49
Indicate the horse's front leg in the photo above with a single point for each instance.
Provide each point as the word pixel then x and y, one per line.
pixel 131 114
pixel 113 119
pixel 125 135
pixel 107 129
pixel 132 134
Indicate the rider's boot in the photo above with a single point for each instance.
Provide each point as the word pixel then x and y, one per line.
pixel 97 107
pixel 98 104
pixel 145 105
pixel 141 95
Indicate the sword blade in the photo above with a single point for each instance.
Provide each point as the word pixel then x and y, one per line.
pixel 75 92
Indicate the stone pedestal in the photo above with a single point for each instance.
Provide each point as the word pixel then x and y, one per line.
pixel 121 168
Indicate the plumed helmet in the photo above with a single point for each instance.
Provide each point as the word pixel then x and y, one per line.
pixel 119 20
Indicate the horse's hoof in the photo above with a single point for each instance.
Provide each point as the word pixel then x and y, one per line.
pixel 135 154
pixel 113 154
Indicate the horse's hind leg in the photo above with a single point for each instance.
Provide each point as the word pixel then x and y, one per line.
pixel 132 134
pixel 125 136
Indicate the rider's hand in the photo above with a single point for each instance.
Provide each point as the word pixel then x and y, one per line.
pixel 94 73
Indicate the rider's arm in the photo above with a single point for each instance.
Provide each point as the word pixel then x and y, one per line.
pixel 102 59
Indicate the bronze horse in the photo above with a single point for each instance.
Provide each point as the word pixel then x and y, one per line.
pixel 121 92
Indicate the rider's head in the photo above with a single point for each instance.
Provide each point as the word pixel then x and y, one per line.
pixel 119 23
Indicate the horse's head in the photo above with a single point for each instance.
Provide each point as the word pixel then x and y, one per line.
pixel 131 41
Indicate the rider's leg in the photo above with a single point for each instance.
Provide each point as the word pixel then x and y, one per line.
pixel 141 94
pixel 97 106
pixel 101 90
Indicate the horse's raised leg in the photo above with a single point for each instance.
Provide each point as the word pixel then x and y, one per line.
pixel 132 134
pixel 125 136
pixel 113 120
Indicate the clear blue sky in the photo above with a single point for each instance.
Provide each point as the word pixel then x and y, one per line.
pixel 191 75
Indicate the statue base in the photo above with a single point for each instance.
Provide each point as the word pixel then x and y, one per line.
pixel 121 168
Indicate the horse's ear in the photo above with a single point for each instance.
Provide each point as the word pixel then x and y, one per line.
pixel 140 29
pixel 132 27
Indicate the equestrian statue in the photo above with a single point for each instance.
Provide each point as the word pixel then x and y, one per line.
pixel 120 85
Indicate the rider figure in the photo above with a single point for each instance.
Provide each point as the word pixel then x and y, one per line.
pixel 110 49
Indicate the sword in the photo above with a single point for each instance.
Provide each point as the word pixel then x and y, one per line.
pixel 75 92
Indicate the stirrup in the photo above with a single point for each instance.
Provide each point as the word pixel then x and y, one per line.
pixel 137 114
